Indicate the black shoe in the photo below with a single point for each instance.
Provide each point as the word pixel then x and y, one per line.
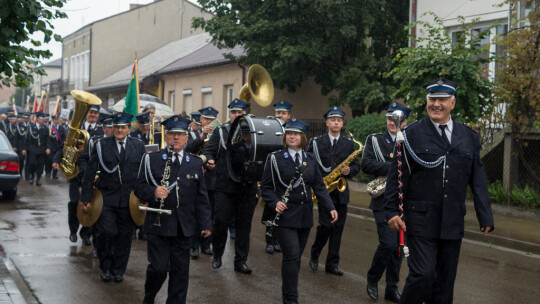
pixel 372 291
pixel 94 253
pixel 134 235
pixel 216 263
pixel 242 267
pixel 313 264
pixel 73 238
pixel 277 248
pixel 118 278
pixel 334 270
pixel 31 181
pixel 105 276
pixel 232 235
pixel 86 242
pixel 55 176
pixel 194 253
pixel 392 296
pixel 208 251
pixel 142 235
pixel 270 248
pixel 38 182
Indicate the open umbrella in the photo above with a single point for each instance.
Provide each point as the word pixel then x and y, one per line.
pixel 4 110
pixel 162 109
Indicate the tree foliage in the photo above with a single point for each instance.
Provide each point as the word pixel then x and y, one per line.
pixel 435 56
pixel 518 79
pixel 19 20
pixel 344 46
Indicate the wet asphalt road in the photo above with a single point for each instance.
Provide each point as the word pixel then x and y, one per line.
pixel 34 235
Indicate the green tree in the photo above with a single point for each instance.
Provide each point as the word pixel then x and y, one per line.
pixel 518 78
pixel 346 46
pixel 20 95
pixel 462 61
pixel 19 21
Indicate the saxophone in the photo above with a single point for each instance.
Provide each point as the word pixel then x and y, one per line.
pixel 334 180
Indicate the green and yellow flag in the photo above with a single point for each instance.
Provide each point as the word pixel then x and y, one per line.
pixel 132 97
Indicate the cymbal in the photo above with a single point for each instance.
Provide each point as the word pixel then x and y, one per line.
pixel 90 217
pixel 137 215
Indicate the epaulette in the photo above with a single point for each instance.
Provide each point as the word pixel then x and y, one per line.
pixel 375 134
pixel 135 138
pixel 466 125
pixel 194 155
pixel 410 125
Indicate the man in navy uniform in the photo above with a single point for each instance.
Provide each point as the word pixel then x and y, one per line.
pixel 379 151
pixel 36 145
pixel 230 196
pixel 330 150
pixel 54 144
pixel 118 158
pixel 169 242
pixel 201 121
pixel 11 131
pixel 434 191
pixel 143 122
pixel 22 132
pixel 207 116
pixel 75 183
pixel 283 110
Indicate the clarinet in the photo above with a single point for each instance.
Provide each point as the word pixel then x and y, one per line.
pixel 165 183
pixel 284 198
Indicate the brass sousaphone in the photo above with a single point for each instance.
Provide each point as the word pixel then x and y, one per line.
pixel 259 86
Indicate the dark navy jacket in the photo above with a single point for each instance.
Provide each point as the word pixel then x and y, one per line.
pixel 138 134
pixel 331 159
pixel 193 212
pixel 115 191
pixel 299 212
pixel 371 165
pixel 36 140
pixel 435 206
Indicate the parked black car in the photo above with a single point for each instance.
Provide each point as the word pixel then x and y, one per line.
pixel 9 169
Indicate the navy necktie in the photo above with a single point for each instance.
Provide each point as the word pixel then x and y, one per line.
pixel 297 159
pixel 443 135
pixel 122 153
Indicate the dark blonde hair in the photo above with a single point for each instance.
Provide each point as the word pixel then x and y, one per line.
pixel 303 139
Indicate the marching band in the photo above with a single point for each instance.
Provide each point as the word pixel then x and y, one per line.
pixel 190 189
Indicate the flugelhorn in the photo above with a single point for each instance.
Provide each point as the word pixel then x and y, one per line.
pixel 76 138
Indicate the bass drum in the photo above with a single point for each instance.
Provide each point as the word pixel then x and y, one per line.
pixel 250 141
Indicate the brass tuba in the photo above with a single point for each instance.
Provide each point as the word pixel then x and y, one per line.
pixel 76 138
pixel 259 86
pixel 334 180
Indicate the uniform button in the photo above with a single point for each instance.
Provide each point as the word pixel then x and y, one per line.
pixel 448 152
pixel 446 181
pixel 302 193
pixel 445 196
pixel 447 167
pixel 301 203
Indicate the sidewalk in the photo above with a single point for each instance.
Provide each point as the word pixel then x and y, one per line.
pixel 515 228
pixel 9 292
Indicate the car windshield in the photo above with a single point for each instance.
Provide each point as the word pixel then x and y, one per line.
pixel 4 143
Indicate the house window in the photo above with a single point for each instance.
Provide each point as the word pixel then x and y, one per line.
pixel 206 97
pixel 171 100
pixel 65 64
pixel 188 101
pixel 229 96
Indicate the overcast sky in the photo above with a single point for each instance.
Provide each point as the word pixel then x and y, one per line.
pixel 81 13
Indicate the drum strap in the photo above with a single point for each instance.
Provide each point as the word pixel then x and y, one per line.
pixel 19 129
pixel 148 173
pixel 318 157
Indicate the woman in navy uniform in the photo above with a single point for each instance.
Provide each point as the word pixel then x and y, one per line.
pixel 379 151
pixel 169 243
pixel 282 110
pixel 118 158
pixel 296 219
pixel 36 145
pixel 443 159
pixel 330 150
pixel 229 196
